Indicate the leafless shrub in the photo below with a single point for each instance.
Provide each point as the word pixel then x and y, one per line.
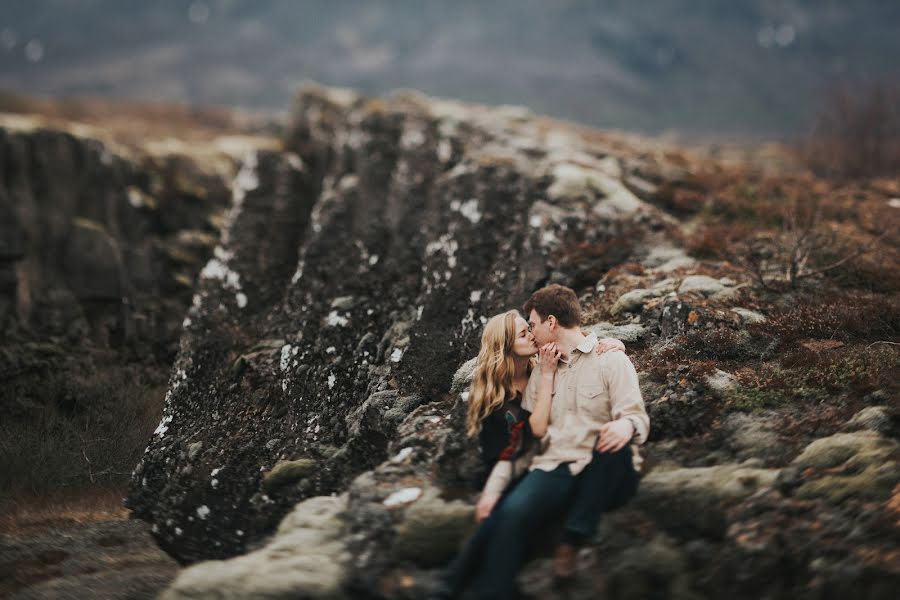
pixel 806 246
pixel 857 132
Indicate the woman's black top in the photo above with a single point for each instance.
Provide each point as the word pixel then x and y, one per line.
pixel 505 433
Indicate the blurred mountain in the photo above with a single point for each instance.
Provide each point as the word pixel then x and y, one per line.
pixel 746 67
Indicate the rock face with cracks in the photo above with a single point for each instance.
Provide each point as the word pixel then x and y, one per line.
pixel 321 372
pixel 353 277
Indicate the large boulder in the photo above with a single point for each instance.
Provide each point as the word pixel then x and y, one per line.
pixel 305 559
pixel 374 248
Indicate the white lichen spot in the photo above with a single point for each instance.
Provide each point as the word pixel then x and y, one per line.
pixel 475 296
pixel 402 455
pixel 468 209
pixel 444 150
pixel 287 351
pixel 445 244
pixel 163 426
pixel 419 310
pixel 396 355
pixel 214 483
pixel 348 182
pixel 335 319
pixel 298 273
pixel 331 381
pixel 216 269
pixel 239 533
pixel 412 138
pixel 216 471
pixel 178 531
pixel 135 198
pixel 203 512
pixel 186 323
pixel 241 299
pixel 373 260
pixel 295 161
pixel 404 496
pixel 330 350
pixel 535 221
pixel 246 179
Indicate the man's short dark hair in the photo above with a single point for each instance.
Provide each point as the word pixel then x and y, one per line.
pixel 556 300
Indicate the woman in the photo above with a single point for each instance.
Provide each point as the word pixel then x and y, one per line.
pixel 496 416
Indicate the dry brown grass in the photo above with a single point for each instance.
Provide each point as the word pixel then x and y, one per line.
pixel 132 123
pixel 26 512
pixel 75 432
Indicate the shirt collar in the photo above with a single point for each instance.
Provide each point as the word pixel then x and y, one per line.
pixel 588 344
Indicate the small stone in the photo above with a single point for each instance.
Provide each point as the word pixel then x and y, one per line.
pixel 748 316
pixel 721 381
pixel 873 418
pixel 404 496
pixel 628 333
pixel 632 301
pixel 194 450
pixel 286 472
pixel 821 345
pixel 702 284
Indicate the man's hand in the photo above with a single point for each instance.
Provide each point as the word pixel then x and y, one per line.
pixel 485 506
pixel 614 435
pixel 548 356
pixel 609 345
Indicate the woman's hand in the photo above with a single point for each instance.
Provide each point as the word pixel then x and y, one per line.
pixel 609 345
pixel 548 357
pixel 485 506
pixel 614 435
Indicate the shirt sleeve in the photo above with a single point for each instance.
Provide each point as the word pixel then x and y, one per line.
pixel 625 393
pixel 529 398
pixel 499 478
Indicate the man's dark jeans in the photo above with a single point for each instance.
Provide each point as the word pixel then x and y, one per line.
pixel 606 483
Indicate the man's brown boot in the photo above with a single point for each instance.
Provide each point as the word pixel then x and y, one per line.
pixel 564 562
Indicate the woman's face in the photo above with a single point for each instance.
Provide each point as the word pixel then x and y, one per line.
pixel 524 343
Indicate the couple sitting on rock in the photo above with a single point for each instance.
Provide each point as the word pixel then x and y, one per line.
pixel 560 434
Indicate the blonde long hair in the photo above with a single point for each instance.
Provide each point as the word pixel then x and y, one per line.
pixel 495 368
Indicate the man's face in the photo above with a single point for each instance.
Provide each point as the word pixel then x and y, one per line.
pixel 541 330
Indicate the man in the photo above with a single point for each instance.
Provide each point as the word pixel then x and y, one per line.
pixel 585 408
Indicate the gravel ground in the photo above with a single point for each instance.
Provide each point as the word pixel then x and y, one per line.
pixel 101 561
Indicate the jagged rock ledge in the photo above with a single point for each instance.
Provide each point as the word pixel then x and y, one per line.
pixel 352 278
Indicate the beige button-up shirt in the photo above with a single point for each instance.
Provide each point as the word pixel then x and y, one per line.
pixel 589 391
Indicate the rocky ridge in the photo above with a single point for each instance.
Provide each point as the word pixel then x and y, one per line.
pixel 318 365
pixel 354 274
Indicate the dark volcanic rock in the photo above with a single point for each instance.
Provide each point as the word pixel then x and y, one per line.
pixel 353 278
pixel 84 246
pixel 99 248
